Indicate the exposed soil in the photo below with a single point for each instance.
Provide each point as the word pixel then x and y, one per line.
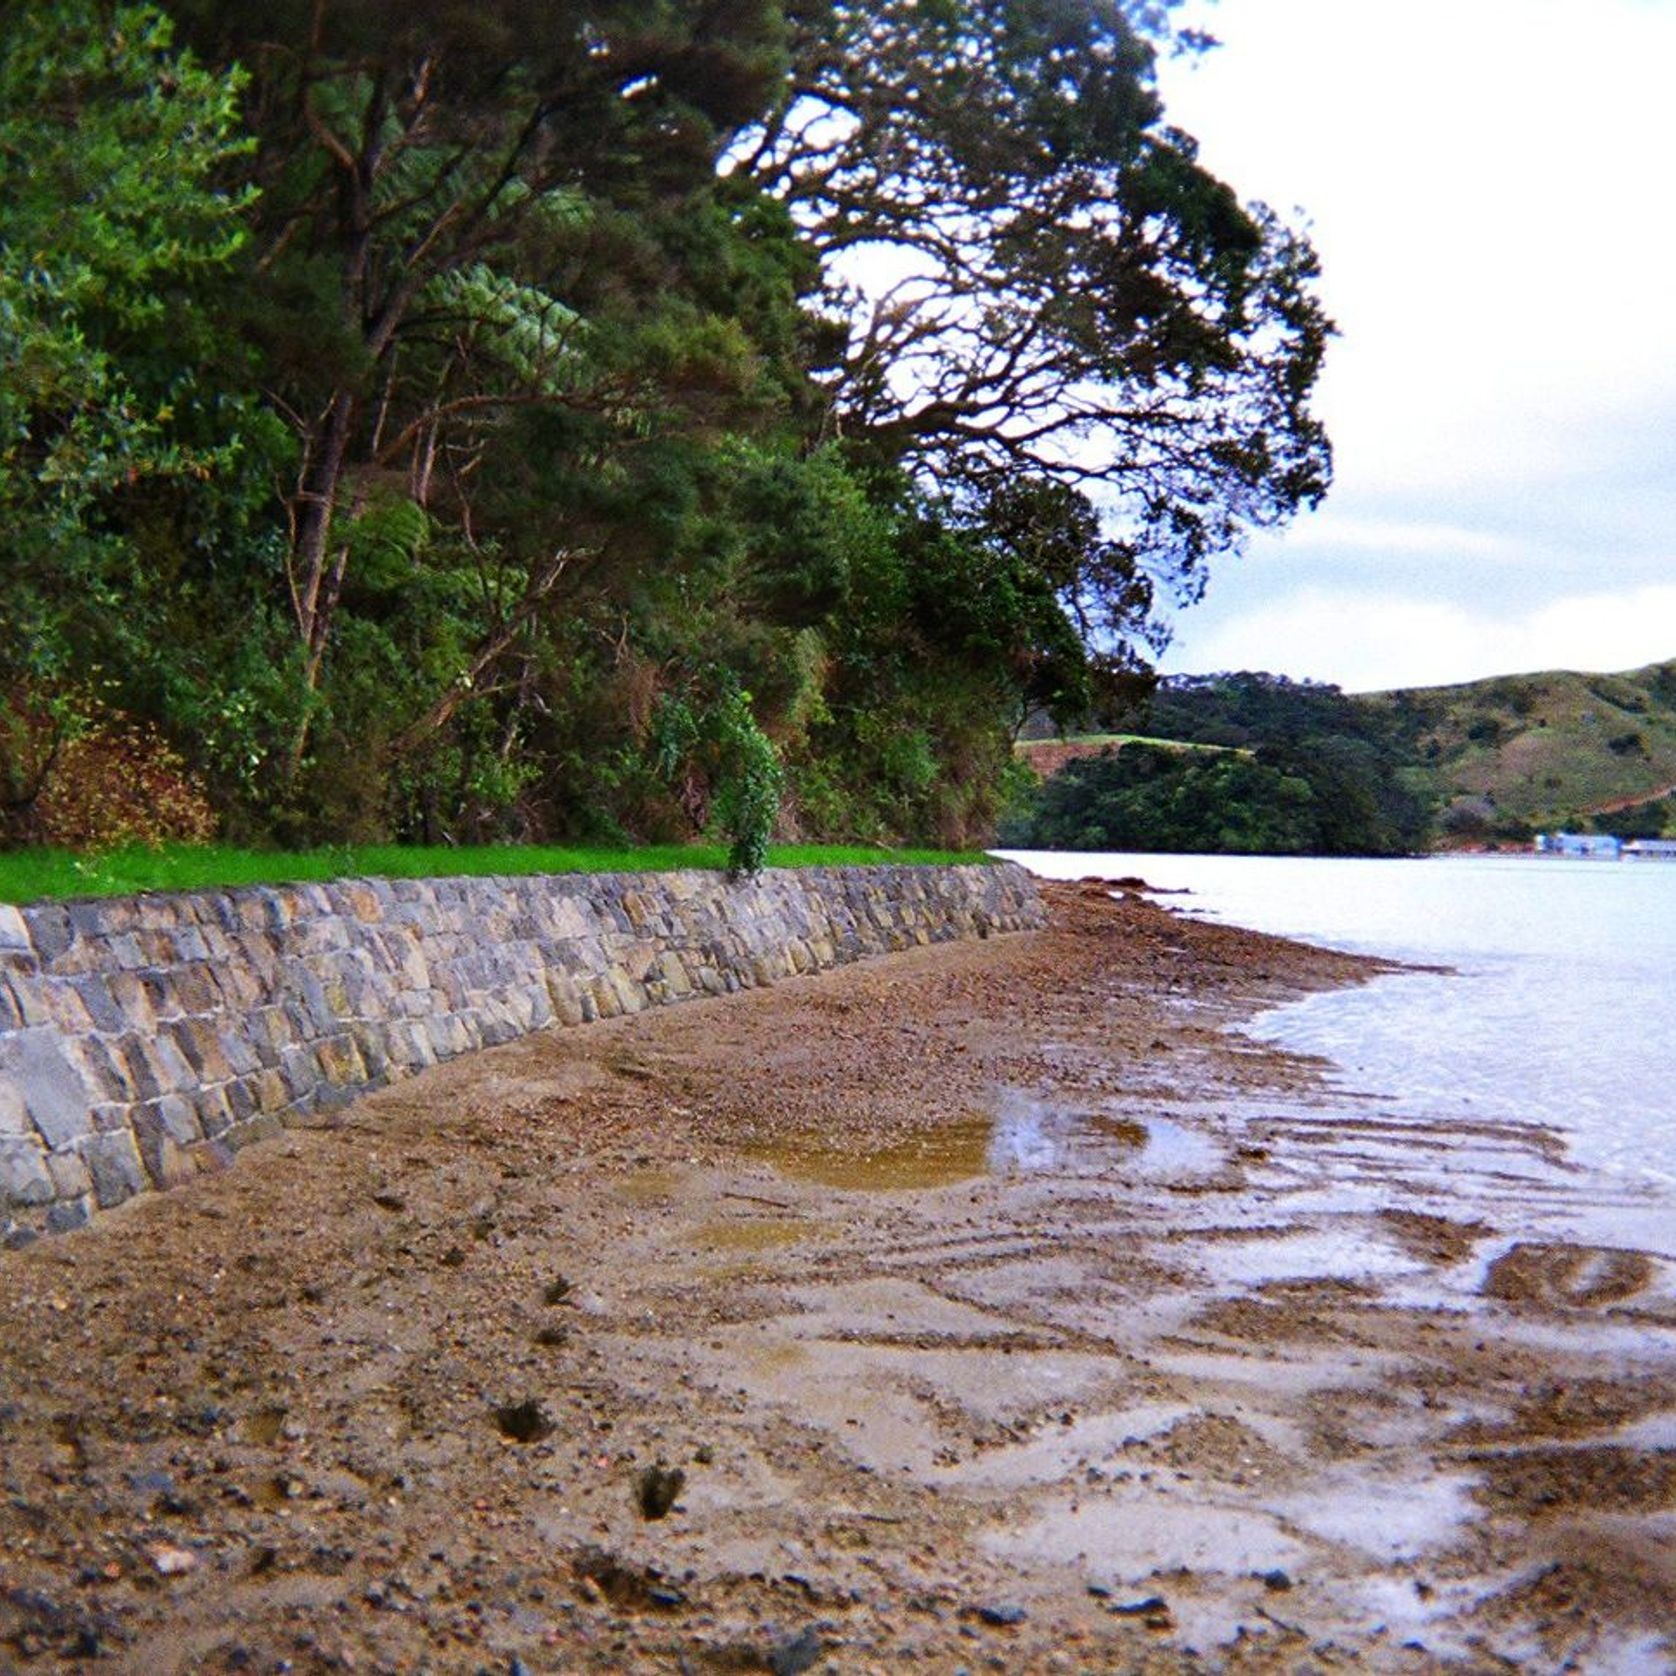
pixel 991 1307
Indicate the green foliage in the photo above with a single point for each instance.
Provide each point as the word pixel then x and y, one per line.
pixel 749 784
pixel 1299 768
pixel 112 218
pixel 1147 797
pixel 569 435
pixel 1088 307
pixel 1541 752
pixel 1654 818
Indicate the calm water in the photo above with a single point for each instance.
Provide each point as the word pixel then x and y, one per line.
pixel 1561 1008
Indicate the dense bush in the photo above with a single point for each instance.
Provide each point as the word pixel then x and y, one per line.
pixel 1147 797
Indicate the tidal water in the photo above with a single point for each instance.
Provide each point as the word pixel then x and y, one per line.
pixel 1559 1006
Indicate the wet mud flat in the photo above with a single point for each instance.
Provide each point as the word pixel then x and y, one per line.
pixel 992 1307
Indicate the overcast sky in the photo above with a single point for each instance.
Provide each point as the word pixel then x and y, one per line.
pixel 1491 185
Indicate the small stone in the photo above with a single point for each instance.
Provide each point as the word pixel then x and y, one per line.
pixel 171 1561
pixel 1143 1608
pixel 655 1489
pixel 1002 1614
pixel 525 1422
pixel 1276 1580
pixel 796 1654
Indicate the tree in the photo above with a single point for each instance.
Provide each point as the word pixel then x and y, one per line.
pixel 110 148
pixel 1069 301
pixel 113 217
pixel 436 182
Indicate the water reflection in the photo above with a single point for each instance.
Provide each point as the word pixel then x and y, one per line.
pixel 1023 1136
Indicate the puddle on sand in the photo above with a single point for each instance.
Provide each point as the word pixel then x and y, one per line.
pixel 759 1234
pixel 1025 1137
pixel 647 1186
pixel 1128 1538
pixel 1388 1521
pixel 937 1157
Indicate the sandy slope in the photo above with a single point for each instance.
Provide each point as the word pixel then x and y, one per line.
pixel 1001 1311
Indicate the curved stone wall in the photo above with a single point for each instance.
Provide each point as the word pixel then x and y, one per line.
pixel 145 1038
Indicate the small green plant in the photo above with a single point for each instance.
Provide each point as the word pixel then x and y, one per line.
pixel 749 784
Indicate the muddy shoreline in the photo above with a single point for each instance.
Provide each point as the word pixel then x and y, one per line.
pixel 992 1307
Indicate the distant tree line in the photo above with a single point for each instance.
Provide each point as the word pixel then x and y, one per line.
pixel 451 421
pixel 1275 767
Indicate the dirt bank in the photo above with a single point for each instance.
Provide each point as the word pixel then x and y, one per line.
pixel 989 1307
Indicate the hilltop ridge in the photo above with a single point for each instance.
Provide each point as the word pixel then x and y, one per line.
pixel 1559 748
pixel 1493 761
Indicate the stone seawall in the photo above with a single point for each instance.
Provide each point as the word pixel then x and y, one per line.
pixel 145 1038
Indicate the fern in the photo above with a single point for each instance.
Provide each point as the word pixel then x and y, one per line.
pixel 529 332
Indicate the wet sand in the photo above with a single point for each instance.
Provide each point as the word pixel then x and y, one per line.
pixel 990 1307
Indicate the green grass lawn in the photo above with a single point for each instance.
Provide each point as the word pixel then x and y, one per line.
pixel 29 875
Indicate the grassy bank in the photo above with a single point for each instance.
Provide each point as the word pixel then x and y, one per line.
pixel 29 875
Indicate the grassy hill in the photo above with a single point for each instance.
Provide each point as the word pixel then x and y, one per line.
pixel 1493 760
pixel 1547 750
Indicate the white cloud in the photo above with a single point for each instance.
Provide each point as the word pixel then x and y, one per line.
pixel 1386 536
pixel 1369 640
pixel 1485 182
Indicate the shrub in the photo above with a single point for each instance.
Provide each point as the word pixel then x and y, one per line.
pixel 81 777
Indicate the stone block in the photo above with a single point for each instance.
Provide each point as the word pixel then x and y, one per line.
pixel 14 1114
pixel 300 1070
pixel 49 930
pixel 117 1169
pixel 361 901
pixel 631 996
pixel 24 1177
pixel 196 991
pixel 190 944
pixel 494 1031
pixel 111 1115
pixel 237 1050
pixel 270 1090
pixel 340 1061
pixel 66 1217
pixel 64 1009
pixel 215 1113
pixel 24 990
pixel 14 933
pixel 142 1070
pixel 52 1091
pixel 168 1164
pixel 128 990
pixel 70 1175
pixel 174 1069
pixel 369 1040
pixel 173 1117
pixel 241 1100
pixel 95 996
pixel 104 1068
pixel 200 1045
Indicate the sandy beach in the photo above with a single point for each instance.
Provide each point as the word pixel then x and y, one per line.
pixel 994 1307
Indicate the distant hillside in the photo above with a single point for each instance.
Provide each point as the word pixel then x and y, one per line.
pixel 1047 756
pixel 1542 751
pixel 1487 760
